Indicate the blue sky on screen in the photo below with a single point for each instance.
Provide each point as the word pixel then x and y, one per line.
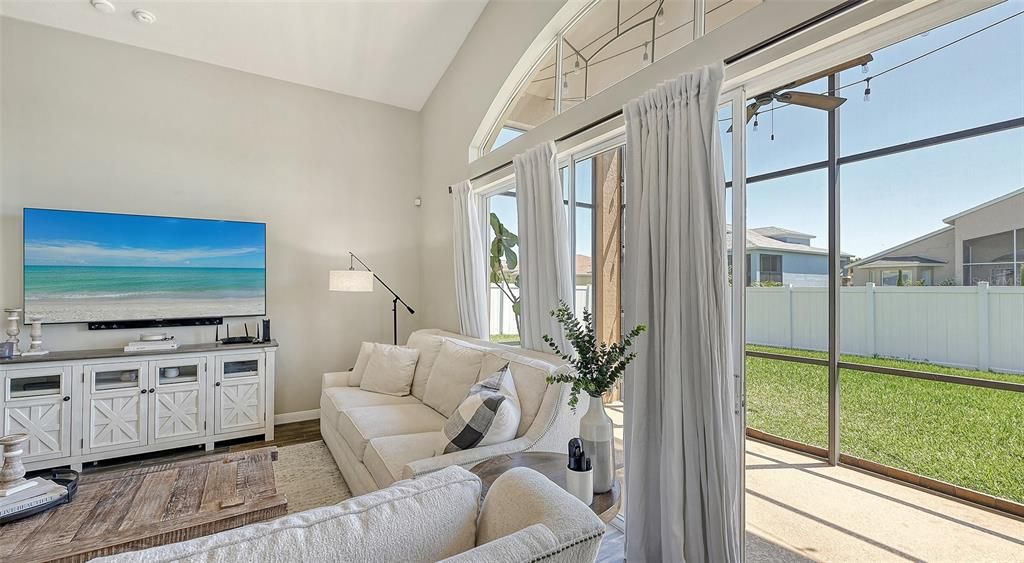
pixel 889 200
pixel 72 238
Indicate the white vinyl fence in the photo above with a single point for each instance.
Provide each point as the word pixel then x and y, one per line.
pixel 503 320
pixel 975 327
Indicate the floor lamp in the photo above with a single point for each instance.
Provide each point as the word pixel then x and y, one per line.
pixel 362 281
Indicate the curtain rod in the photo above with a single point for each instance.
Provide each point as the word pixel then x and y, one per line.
pixel 778 38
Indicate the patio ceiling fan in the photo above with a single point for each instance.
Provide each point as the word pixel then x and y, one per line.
pixel 823 102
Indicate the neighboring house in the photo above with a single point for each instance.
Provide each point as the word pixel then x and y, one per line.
pixel 584 270
pixel 983 243
pixel 783 256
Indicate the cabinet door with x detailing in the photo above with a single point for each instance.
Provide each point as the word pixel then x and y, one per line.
pixel 116 401
pixel 239 392
pixel 37 402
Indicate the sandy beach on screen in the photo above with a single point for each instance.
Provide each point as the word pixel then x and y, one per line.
pixel 101 309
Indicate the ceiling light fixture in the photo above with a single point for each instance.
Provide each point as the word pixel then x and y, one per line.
pixel 646 56
pixel 103 6
pixel 143 16
pixel 660 18
pixel 576 65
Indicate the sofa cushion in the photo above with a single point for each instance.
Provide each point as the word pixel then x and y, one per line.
pixel 390 370
pixel 429 346
pixel 488 415
pixel 386 456
pixel 360 425
pixel 426 519
pixel 533 543
pixel 455 370
pixel 365 351
pixel 333 400
pixel 531 382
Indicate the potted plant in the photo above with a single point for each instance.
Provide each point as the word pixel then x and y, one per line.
pixel 593 367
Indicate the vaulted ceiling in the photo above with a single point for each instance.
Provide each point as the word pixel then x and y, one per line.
pixel 392 52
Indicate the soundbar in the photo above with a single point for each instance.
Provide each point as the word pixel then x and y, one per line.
pixel 112 325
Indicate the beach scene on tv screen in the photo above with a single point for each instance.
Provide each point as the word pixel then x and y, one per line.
pixel 87 267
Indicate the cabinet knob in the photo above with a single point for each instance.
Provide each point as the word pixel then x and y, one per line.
pixel 217 384
pixel 66 398
pixel 143 391
pixel 152 390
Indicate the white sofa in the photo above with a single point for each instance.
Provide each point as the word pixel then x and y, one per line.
pixel 378 439
pixel 524 517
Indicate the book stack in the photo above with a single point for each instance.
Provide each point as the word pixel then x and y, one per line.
pixel 43 492
pixel 166 343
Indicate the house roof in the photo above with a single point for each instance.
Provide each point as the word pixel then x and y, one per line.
pixel 999 199
pixel 874 257
pixel 900 262
pixel 780 232
pixel 584 265
pixel 758 241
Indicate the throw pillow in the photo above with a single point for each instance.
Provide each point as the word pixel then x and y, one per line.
pixel 455 370
pixel 365 351
pixel 390 370
pixel 489 415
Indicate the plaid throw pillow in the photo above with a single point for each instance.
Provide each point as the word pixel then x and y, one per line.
pixel 488 415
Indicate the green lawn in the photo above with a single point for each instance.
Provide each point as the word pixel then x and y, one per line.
pixel 505 338
pixel 969 436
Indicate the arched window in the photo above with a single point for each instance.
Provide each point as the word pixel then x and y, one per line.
pixel 601 45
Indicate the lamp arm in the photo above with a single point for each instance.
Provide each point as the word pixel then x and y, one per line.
pixel 382 282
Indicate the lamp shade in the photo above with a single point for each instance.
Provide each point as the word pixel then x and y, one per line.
pixel 351 280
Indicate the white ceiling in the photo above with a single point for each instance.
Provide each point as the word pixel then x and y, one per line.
pixel 390 51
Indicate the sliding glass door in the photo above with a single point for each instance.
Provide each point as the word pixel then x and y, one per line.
pixel 884 281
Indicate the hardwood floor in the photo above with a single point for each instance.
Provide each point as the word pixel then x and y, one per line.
pixel 612 547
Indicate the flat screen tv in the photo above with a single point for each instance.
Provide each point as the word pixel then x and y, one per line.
pixel 87 267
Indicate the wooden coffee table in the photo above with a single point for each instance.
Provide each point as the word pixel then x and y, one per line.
pixel 551 465
pixel 143 507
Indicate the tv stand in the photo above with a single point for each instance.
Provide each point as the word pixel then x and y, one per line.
pixel 86 405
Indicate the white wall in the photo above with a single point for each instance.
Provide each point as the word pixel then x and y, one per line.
pixel 448 122
pixel 95 125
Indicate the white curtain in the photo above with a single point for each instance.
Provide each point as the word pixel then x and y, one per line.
pixel 468 220
pixel 545 273
pixel 682 446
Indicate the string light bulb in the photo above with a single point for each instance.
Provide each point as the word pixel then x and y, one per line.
pixel 867 90
pixel 576 65
pixel 864 68
pixel 646 56
pixel 755 123
pixel 660 18
pixel 565 82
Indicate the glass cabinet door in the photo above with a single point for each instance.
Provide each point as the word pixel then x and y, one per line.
pixel 37 402
pixel 116 404
pixel 177 399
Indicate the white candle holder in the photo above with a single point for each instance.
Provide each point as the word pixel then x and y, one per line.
pixel 12 473
pixel 36 346
pixel 14 328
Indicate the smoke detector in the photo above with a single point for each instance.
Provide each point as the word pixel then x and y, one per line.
pixel 103 6
pixel 142 16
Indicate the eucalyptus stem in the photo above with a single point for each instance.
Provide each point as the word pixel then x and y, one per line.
pixel 593 367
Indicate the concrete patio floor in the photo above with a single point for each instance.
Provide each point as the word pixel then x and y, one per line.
pixel 808 510
pixel 801 509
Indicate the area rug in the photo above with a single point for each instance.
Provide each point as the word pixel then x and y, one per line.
pixel 308 477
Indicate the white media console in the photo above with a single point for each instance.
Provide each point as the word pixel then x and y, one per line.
pixel 88 405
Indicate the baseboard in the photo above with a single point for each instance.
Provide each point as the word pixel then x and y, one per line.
pixel 298 416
